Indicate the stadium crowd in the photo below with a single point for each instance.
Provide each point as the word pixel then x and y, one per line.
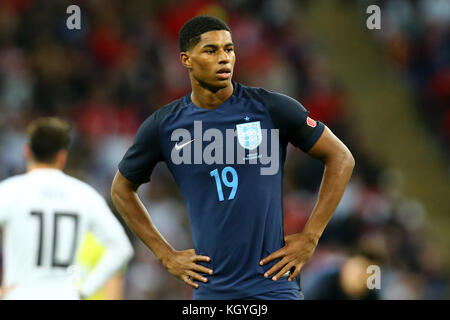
pixel 416 40
pixel 123 64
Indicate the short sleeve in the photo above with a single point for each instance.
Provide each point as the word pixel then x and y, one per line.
pixel 140 159
pixel 292 119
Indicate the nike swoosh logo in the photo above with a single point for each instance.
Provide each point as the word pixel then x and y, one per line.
pixel 180 146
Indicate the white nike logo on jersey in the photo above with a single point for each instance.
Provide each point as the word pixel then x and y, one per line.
pixel 179 147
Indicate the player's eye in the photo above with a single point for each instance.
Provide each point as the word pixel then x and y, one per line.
pixel 210 51
pixel 230 49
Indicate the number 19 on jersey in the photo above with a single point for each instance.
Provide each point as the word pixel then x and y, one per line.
pixel 233 183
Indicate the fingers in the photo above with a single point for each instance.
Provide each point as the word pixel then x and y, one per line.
pixel 188 281
pixel 285 269
pixel 272 256
pixel 285 266
pixel 296 272
pixel 188 267
pixel 196 276
pixel 200 258
pixel 276 267
pixel 190 276
pixel 200 268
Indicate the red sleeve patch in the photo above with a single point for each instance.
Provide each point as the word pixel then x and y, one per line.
pixel 311 122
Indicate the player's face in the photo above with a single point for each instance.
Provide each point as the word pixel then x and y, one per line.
pixel 211 61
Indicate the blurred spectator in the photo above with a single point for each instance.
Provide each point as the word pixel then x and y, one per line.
pixel 416 39
pixel 345 281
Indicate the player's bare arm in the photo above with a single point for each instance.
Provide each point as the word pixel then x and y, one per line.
pixel 181 264
pixel 339 164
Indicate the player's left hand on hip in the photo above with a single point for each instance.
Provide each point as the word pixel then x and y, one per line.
pixel 297 251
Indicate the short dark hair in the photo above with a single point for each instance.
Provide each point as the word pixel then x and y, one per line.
pixel 191 32
pixel 47 136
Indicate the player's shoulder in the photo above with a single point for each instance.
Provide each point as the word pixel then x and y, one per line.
pixel 12 182
pixel 164 111
pixel 266 96
pixel 81 188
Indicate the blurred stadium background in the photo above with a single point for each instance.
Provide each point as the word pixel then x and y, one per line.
pixel 385 93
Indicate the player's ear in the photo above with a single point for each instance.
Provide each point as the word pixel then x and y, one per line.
pixel 186 59
pixel 27 152
pixel 61 158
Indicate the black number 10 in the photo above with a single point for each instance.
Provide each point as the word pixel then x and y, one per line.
pixel 56 218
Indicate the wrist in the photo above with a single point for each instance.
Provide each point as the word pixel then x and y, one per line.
pixel 166 256
pixel 312 236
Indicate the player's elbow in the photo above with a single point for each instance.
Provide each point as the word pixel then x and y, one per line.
pixel 128 252
pixel 343 159
pixel 348 161
pixel 123 249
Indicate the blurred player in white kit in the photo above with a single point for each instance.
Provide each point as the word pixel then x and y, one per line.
pixel 44 214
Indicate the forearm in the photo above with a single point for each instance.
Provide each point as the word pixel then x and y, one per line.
pixel 336 176
pixel 138 220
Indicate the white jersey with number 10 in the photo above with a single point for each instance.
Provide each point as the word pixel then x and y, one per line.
pixel 44 215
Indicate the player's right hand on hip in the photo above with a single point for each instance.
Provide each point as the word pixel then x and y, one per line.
pixel 182 264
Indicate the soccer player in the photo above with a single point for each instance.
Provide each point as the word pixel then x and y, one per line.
pixel 44 215
pixel 234 205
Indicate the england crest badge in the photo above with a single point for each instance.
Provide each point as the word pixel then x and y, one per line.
pixel 249 134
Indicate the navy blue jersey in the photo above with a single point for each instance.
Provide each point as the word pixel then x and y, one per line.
pixel 217 158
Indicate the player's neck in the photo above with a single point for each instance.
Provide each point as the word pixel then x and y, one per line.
pixel 207 98
pixel 39 165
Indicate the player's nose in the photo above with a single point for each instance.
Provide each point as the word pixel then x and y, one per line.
pixel 224 57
